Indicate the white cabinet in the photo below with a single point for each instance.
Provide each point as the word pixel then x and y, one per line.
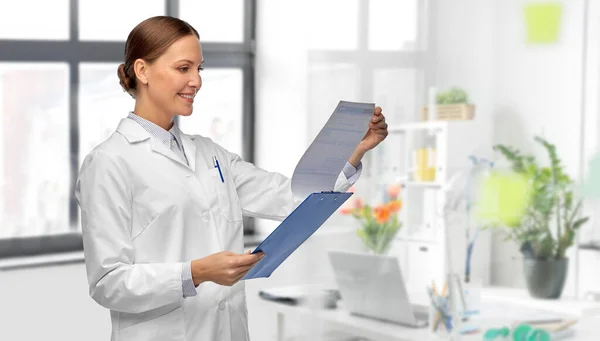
pixel 421 243
pixel 423 261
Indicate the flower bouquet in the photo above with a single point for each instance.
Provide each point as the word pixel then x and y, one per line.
pixel 379 224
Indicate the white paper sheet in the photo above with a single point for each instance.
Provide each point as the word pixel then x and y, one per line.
pixel 325 158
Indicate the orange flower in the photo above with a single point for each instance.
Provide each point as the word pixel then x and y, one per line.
pixel 358 204
pixel 346 210
pixel 393 191
pixel 382 214
pixel 394 206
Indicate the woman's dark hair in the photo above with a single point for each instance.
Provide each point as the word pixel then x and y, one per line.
pixel 148 41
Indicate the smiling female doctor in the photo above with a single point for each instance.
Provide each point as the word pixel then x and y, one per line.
pixel 162 231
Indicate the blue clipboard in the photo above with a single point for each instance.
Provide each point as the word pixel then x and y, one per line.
pixel 295 230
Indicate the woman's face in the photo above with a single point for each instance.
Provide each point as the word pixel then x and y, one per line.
pixel 174 78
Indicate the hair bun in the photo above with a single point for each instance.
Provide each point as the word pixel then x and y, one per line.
pixel 127 83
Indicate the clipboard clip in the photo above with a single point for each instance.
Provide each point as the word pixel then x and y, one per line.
pixel 332 192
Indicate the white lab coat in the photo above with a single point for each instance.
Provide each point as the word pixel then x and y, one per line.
pixel 144 213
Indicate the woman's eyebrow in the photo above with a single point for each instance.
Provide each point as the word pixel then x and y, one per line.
pixel 188 61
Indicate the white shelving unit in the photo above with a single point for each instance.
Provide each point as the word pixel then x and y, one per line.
pixel 420 245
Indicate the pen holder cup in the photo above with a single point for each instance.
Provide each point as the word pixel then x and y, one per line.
pixel 444 323
pixel 440 323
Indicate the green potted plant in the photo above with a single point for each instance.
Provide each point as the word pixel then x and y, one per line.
pixel 453 95
pixel 549 222
pixel 452 104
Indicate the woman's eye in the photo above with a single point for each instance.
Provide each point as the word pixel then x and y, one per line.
pixel 183 69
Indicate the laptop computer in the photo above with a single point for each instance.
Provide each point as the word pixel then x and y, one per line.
pixel 372 286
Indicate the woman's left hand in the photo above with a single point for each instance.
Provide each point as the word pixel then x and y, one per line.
pixel 377 131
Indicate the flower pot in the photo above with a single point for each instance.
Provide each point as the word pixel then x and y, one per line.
pixel 545 277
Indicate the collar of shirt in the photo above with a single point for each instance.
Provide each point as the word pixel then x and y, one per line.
pixel 163 135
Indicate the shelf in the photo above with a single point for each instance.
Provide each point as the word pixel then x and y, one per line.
pixel 422 184
pixel 420 240
pixel 412 126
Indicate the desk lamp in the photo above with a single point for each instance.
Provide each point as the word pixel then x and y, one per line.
pixel 460 195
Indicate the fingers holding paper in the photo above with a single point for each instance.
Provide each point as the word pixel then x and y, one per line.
pixel 377 116
pixel 377 131
pixel 375 135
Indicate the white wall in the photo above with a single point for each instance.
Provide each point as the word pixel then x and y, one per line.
pixel 591 121
pixel 50 303
pixel 523 89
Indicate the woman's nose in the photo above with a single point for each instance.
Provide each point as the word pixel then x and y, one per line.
pixel 196 82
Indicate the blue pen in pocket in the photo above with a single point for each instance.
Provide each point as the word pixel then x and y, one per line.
pixel 216 163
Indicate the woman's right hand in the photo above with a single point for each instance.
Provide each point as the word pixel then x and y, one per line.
pixel 225 268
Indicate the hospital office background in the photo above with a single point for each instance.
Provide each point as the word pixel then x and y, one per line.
pixel 497 72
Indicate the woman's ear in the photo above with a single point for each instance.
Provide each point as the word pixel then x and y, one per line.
pixel 140 67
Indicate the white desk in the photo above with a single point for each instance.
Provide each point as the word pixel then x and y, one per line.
pixel 502 313
pixel 521 298
pixel 354 325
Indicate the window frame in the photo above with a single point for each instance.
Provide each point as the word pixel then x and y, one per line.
pixel 74 52
pixel 422 58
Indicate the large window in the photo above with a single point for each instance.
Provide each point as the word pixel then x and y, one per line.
pixel 370 50
pixel 60 97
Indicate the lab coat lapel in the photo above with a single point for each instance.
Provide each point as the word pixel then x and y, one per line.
pixel 159 147
pixel 133 132
pixel 190 149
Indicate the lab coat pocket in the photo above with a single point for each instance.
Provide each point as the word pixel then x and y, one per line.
pixel 164 323
pixel 136 232
pixel 147 207
pixel 227 200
